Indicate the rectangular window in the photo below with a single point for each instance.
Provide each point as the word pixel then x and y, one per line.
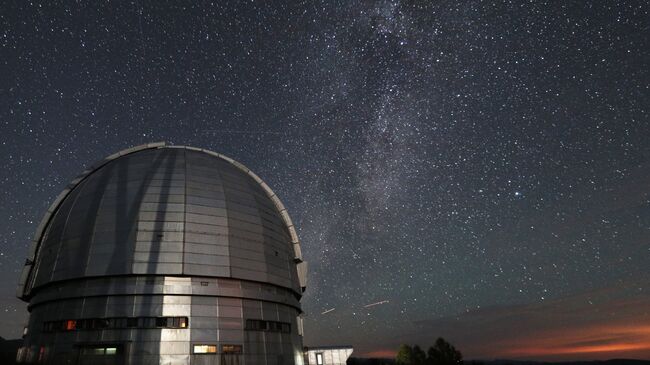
pixel 54 326
pixel 162 322
pixel 83 324
pixel 131 322
pixel 149 322
pixel 231 349
pixel 183 322
pixel 205 349
pixel 173 322
pixel 70 325
pixel 109 351
pixel 100 323
pixel 116 323
pixel 319 358
pixel 270 326
pixel 98 351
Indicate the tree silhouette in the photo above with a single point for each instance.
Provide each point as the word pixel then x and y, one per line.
pixel 404 355
pixel 418 356
pixel 443 353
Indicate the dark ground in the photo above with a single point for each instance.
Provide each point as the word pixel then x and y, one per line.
pixel 363 361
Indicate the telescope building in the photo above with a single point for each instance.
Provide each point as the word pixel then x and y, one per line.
pixel 164 255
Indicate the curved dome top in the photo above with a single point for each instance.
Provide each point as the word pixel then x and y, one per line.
pixel 166 210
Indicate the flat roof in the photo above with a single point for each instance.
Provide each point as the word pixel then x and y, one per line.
pixel 339 347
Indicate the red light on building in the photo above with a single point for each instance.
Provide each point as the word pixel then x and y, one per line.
pixel 70 325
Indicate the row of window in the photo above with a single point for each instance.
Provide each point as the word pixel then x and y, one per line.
pixel 114 350
pixel 268 326
pixel 115 323
pixel 150 322
pixel 99 351
pixel 213 349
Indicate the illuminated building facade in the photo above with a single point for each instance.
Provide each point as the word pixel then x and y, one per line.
pixel 327 355
pixel 164 255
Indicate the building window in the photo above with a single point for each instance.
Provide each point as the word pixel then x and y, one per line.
pixel 41 354
pixel 176 322
pixel 100 323
pixel 84 324
pixel 70 325
pixel 267 326
pixel 205 349
pixel 231 349
pixel 97 351
pixel 161 322
pixel 118 323
pixel 115 323
pixel 131 322
pixel 147 322
pixel 48 326
pixel 286 328
pixel 319 358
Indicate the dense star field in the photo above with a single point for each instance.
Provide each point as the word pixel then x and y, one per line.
pixel 476 170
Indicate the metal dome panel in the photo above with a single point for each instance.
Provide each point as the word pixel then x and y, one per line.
pixel 166 210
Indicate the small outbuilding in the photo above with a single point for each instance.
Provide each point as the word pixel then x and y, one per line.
pixel 327 355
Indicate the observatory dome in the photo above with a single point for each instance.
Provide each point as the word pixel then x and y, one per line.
pixel 164 255
pixel 166 210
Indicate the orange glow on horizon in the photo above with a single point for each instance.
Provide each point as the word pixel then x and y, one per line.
pixel 562 330
pixel 544 351
pixel 597 341
pixel 384 354
pixel 554 344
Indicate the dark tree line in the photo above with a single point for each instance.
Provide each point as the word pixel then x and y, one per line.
pixel 370 361
pixel 441 353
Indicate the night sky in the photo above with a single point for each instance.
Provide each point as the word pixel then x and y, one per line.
pixel 479 171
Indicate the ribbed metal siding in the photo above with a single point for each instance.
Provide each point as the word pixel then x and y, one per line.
pixel 216 308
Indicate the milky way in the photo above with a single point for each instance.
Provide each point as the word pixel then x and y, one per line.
pixel 449 161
